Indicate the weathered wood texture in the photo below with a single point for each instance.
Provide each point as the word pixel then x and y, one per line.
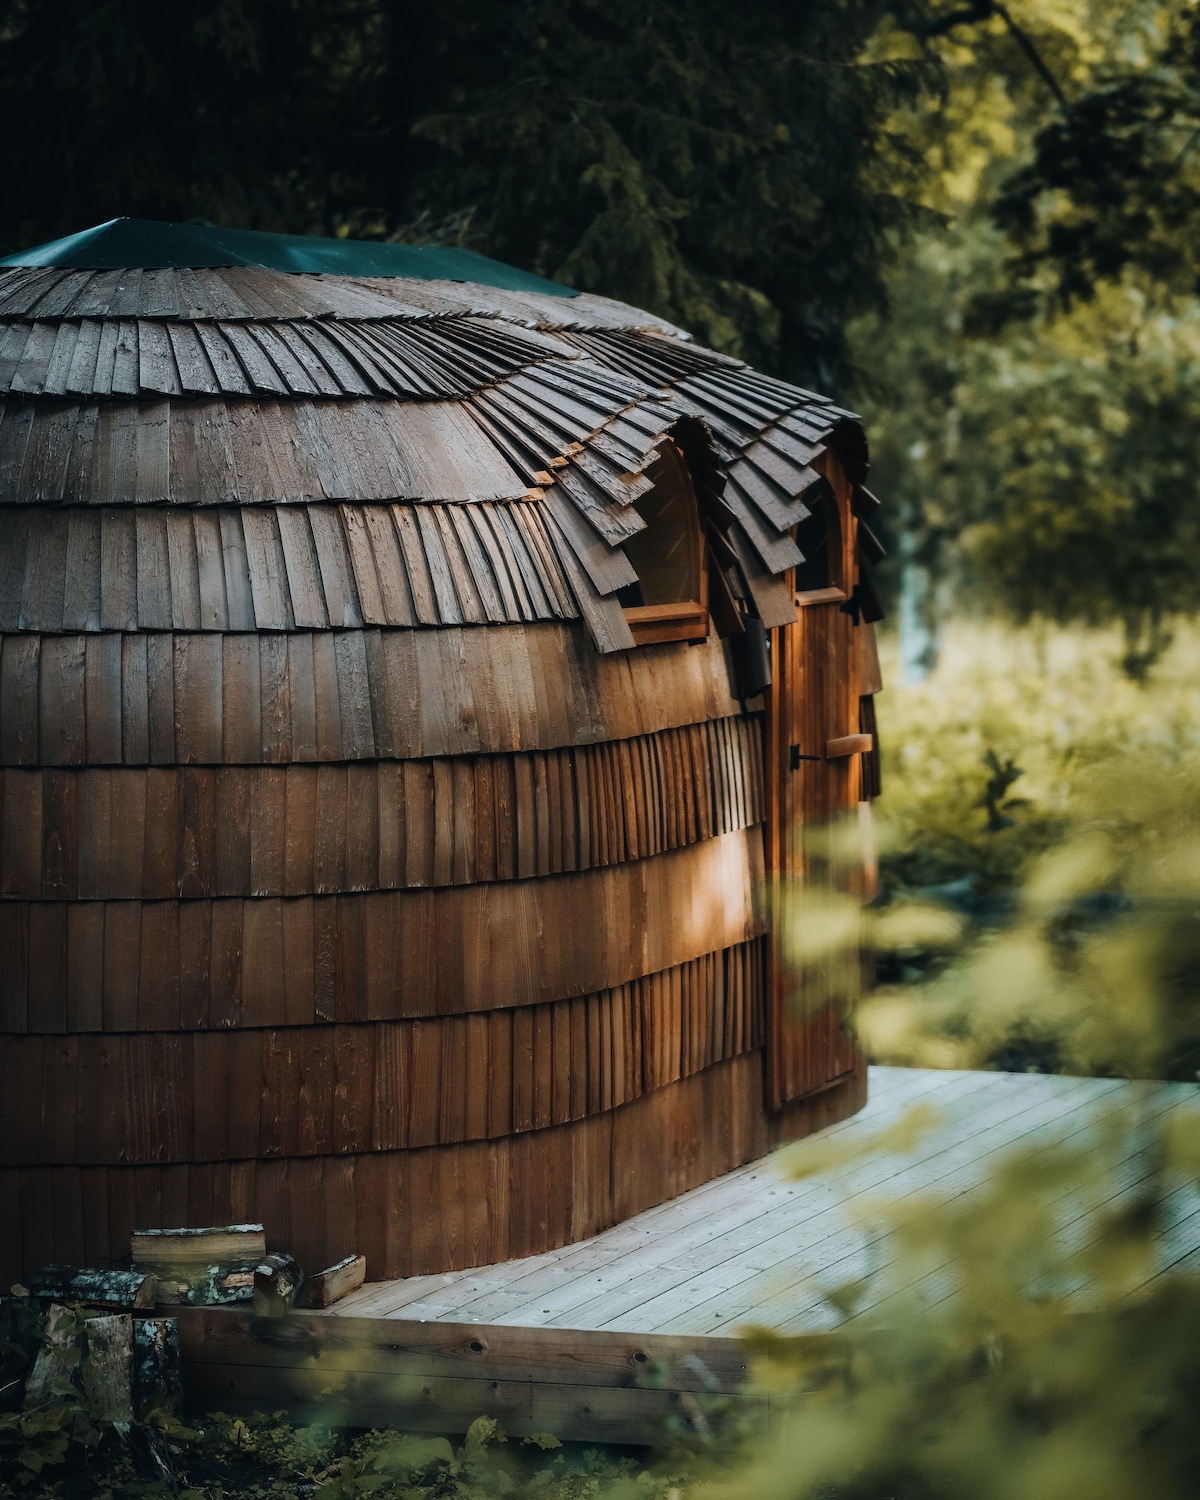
pixel 116 1289
pixel 133 357
pixel 197 1245
pixel 326 1287
pixel 172 965
pixel 357 875
pixel 814 707
pixel 572 431
pixel 438 1377
pixel 155 1096
pixel 756 1248
pixel 433 1208
pixel 132 834
pixel 108 1368
pixel 195 699
pixel 278 567
pixel 249 294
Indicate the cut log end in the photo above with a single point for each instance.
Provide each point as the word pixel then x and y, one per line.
pixel 334 1283
pixel 277 1282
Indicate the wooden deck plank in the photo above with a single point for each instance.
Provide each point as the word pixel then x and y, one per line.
pixel 744 1247
pixel 471 1293
pixel 718 1197
pixel 438 1295
pixel 608 1339
pixel 1164 1103
pixel 1172 1249
pixel 440 1376
pixel 773 1210
pixel 937 1282
pixel 784 1255
pixel 380 1298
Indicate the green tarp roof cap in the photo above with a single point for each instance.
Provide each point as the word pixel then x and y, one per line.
pixel 149 243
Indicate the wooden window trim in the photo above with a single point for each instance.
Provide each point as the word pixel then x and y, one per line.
pixel 651 623
pixel 682 619
pixel 839 523
pixel 832 595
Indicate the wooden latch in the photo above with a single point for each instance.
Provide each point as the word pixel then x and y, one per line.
pixel 849 744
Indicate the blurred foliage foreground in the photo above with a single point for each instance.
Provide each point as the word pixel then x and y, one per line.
pixel 61 1449
pixel 1027 1340
pixel 1040 896
pixel 1041 858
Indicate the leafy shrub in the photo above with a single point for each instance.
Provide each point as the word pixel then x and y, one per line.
pixel 1076 899
pixel 1039 1337
pixel 61 1449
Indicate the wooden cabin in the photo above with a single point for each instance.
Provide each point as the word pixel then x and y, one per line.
pixel 413 673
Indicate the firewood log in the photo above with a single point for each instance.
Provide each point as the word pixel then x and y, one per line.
pixel 277 1280
pixel 335 1282
pixel 108 1369
pixel 158 1365
pixel 210 1246
pixel 54 1358
pixel 122 1291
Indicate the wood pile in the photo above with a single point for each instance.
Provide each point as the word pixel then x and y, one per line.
pixel 230 1263
pixel 108 1325
pixel 207 1267
pixel 125 1364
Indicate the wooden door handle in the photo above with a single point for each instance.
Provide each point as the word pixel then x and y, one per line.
pixel 849 744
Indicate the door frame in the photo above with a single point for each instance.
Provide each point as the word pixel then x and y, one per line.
pixel 780 849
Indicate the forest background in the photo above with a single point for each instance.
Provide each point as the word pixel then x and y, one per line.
pixel 969 220
pixel 974 222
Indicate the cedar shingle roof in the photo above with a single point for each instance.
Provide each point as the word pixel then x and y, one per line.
pixel 349 451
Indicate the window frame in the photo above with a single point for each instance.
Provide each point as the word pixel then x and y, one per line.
pixel 685 619
pixel 836 529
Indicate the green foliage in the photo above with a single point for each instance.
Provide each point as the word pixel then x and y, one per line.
pixel 40 1438
pixel 20 1338
pixel 1109 796
pixel 1043 464
pixel 1003 1358
pixel 729 168
pixel 1052 701
pixel 995 794
pixel 1083 506
pixel 58 1450
pixel 1055 463
pixel 1114 183
pixel 1036 1337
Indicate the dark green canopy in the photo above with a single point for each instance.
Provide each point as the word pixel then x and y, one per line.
pixel 149 242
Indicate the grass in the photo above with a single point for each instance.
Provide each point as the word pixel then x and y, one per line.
pixel 1052 806
pixel 1052 703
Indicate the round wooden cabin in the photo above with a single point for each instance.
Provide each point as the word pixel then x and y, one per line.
pixel 407 684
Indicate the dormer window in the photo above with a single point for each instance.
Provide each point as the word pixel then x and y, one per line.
pixel 669 600
pixel 819 537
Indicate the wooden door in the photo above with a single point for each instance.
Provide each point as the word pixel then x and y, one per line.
pixel 813 704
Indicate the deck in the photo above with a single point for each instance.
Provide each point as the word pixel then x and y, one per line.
pixel 559 1340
